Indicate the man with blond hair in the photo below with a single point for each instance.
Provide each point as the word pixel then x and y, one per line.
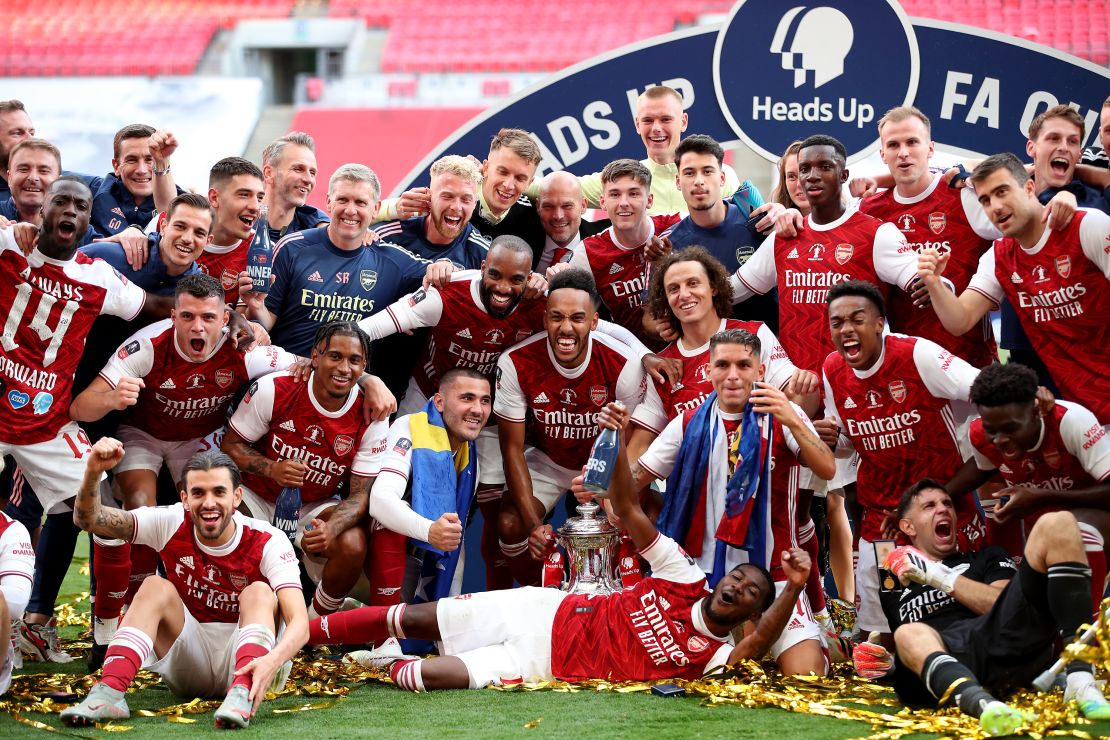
pixel 289 172
pixel 445 233
pixel 502 207
pixel 327 274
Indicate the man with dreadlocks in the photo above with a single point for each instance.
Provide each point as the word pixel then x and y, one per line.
pixel 313 437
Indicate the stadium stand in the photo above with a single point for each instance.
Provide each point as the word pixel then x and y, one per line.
pixel 83 38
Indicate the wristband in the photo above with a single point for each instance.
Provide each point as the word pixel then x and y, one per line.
pixel 961 175
pixel 160 173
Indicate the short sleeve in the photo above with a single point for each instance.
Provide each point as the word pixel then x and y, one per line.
pixel 758 275
pixel 279 564
pixel 660 457
pixel 267 359
pixel 509 402
pixel 135 357
pixel 122 297
pixel 778 367
pixel 944 374
pixel 985 281
pixel 1086 438
pixel 895 259
pixel 251 419
pixel 371 450
pixel 650 414
pixel 670 562
pixel 155 525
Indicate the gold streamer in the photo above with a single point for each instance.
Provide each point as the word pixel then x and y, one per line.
pixel 842 695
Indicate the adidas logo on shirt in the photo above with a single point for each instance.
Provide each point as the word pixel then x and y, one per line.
pixel 287 425
pixel 849 404
pixel 187 561
pixel 168 385
pixel 793 254
pixel 315 277
pixel 465 334
pixel 118 212
pixel 542 398
pixel 615 269
pixel 1015 278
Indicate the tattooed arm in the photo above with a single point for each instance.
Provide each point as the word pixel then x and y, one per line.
pixel 88 513
pixel 347 514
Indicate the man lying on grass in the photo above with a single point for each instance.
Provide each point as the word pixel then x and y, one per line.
pixel 668 626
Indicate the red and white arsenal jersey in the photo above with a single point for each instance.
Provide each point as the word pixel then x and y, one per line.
pixel 560 406
pixel 183 399
pixel 51 305
pixel 1073 452
pixel 225 263
pixel 804 267
pixel 619 272
pixel 652 630
pixel 947 220
pixel 463 334
pixel 17 556
pixel 209 579
pixel 1059 290
pixel 664 401
pixel 659 459
pixel 899 418
pixel 283 420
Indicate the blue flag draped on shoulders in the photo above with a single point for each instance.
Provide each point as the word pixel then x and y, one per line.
pixel 747 519
pixel 441 482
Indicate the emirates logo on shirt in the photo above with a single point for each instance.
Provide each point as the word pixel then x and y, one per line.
pixel 937 222
pixel 843 253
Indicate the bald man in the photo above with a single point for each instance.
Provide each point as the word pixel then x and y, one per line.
pixel 561 205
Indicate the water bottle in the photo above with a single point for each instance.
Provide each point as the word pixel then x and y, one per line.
pixel 287 511
pixel 603 459
pixel 260 255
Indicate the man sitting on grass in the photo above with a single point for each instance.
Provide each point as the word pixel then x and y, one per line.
pixel 667 626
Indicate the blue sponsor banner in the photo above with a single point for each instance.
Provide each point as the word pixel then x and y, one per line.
pixel 751 79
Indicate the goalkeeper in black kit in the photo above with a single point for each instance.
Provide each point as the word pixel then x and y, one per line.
pixel 971 627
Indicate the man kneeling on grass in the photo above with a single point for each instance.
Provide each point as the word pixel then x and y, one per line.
pixel 209 626
pixel 668 626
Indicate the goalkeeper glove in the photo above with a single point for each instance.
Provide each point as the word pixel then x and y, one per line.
pixel 909 564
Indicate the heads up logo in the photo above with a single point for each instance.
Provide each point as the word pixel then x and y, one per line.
pixel 785 71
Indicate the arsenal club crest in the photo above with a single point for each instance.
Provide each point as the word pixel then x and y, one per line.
pixel 1063 265
pixel 843 253
pixel 343 444
pixel 937 222
pixel 229 279
pixel 367 279
pixel 224 378
pixel 1052 458
pixel 238 580
pixel 696 643
pixel 599 394
pixel 897 390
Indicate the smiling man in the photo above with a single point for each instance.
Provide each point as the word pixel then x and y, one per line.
pixel 313 436
pixel 669 625
pixel 731 465
pixel 211 626
pixel 175 381
pixel 172 251
pixel 446 233
pixel 289 172
pixel 327 273
pixel 550 389
pixel 140 183
pixel 1056 282
pixel 33 165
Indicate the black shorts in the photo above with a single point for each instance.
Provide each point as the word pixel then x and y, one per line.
pixel 1005 648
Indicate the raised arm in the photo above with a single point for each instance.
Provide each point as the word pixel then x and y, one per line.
pixel 958 315
pixel 88 513
pixel 624 490
pixel 796 565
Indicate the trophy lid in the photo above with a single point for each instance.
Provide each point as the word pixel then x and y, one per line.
pixel 591 520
